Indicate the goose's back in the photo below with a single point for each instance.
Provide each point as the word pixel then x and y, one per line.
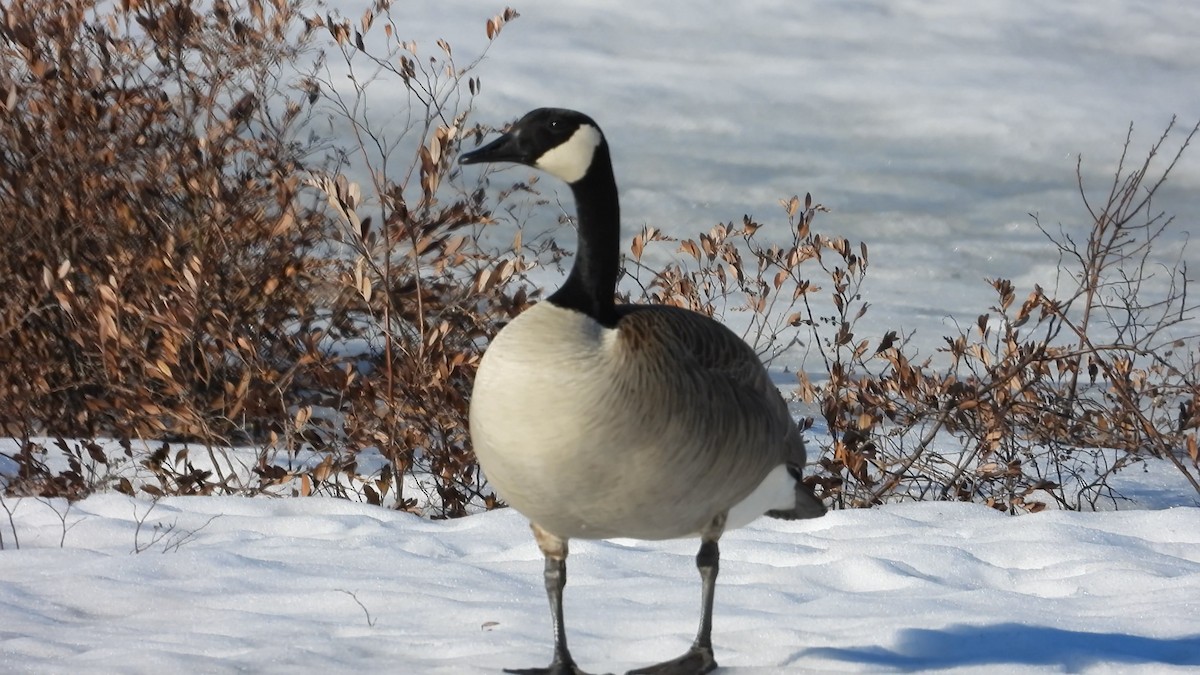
pixel 646 430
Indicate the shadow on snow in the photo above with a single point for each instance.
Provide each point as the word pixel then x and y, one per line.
pixel 1009 643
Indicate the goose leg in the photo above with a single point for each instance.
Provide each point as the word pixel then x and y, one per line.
pixel 699 659
pixel 555 551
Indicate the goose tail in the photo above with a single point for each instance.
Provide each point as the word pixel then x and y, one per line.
pixel 807 504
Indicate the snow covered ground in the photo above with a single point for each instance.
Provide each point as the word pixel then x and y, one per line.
pixel 931 128
pixel 318 585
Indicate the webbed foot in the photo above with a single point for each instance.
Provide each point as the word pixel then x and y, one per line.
pixel 696 661
pixel 555 668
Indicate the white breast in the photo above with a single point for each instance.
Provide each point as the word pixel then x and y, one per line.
pixel 530 422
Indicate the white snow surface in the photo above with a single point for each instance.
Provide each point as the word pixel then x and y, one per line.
pixel 263 585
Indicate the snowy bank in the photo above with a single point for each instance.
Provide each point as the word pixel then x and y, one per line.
pixel 323 585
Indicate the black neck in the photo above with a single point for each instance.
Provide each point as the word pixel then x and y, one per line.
pixel 592 284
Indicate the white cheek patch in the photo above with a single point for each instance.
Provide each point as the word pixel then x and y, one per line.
pixel 571 159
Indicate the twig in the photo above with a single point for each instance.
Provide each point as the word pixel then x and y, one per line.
pixel 370 620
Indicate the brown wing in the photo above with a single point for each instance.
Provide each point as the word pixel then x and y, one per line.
pixel 716 350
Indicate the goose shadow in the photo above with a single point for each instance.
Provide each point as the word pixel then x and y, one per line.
pixel 919 649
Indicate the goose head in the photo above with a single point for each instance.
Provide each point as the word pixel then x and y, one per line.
pixel 569 146
pixel 563 143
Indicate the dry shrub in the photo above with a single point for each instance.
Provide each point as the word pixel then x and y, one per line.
pixel 416 294
pixel 156 262
pixel 769 290
pixel 1079 382
pixel 171 273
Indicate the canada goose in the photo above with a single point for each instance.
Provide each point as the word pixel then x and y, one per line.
pixel 599 420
